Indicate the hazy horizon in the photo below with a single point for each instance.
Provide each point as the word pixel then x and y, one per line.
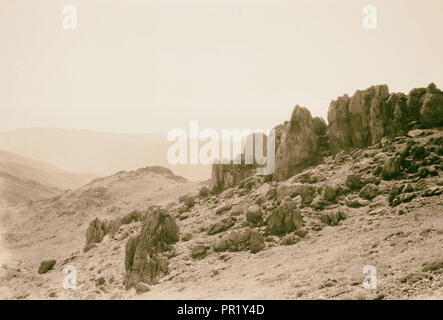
pixel 150 66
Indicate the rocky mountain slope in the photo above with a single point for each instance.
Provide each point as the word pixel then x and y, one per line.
pixel 346 195
pixel 23 179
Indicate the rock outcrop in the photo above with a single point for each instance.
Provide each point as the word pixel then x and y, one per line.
pixel 355 122
pixel 302 144
pixel 363 119
pixel 146 254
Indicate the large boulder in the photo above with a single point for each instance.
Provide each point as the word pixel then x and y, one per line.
pixel 145 258
pixel 286 218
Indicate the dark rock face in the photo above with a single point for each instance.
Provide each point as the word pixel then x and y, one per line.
pixel 46 266
pixel 145 258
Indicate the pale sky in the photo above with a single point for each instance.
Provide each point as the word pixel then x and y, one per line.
pixel 150 66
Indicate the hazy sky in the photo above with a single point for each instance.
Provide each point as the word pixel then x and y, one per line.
pixel 150 66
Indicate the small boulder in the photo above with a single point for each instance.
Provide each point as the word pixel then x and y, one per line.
pixel 369 192
pixel 354 182
pixel 333 218
pixel 257 242
pixel 199 251
pixel 391 169
pixel 46 266
pixel 329 192
pixel 286 218
pixel 254 214
pixel 141 288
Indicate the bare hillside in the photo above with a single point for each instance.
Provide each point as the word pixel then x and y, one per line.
pixel 23 179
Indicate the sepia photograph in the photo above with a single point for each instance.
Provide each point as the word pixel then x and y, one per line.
pixel 221 154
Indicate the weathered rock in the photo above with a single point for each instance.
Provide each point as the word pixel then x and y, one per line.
pixel 286 218
pixel 223 208
pixel 46 266
pixel 289 239
pixel 431 109
pixel 254 214
pixel 97 229
pixel 238 240
pixel 199 251
pixel 357 121
pixel 369 192
pixel 221 226
pixel 95 233
pixel 354 181
pixel 257 242
pixel 332 218
pixel 286 189
pixel 301 144
pixel 423 172
pixel 329 192
pixel 141 288
pixel 204 192
pixel 144 260
pixel 391 168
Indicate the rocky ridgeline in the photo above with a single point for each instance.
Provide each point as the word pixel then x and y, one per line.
pixel 378 167
pixel 354 122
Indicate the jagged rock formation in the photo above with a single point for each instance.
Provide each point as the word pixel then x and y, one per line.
pixel 369 115
pixel 354 122
pixel 146 257
pixel 97 229
pixel 302 144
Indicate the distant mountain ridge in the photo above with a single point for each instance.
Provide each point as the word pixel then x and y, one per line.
pixel 102 153
pixel 23 179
